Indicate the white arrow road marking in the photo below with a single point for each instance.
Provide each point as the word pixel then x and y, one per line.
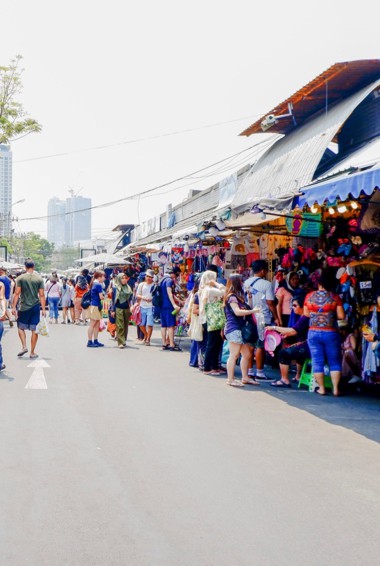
pixel 37 379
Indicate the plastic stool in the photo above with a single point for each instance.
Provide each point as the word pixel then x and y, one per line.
pixel 307 377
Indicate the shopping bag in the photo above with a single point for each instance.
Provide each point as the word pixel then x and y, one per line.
pixel 216 319
pixel 42 327
pixel 136 314
pixel 195 331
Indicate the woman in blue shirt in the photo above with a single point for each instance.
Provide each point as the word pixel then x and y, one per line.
pixel 94 311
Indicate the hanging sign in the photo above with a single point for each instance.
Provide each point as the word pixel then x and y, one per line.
pixel 304 224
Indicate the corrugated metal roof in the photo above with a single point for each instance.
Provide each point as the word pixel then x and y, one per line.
pixel 169 232
pixel 291 163
pixel 335 84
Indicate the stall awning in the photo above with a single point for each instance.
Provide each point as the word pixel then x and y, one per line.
pixel 250 220
pixel 348 185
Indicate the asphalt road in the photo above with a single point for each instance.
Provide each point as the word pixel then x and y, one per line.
pixel 130 457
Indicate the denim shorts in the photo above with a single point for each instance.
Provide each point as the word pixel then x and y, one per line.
pixel 235 336
pixel 147 316
pixel 325 348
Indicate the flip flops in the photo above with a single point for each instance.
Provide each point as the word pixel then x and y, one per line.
pixel 280 383
pixel 22 353
pixel 235 383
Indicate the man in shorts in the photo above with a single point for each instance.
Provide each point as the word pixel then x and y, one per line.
pixel 169 309
pixel 30 290
pixel 144 295
pixel 260 293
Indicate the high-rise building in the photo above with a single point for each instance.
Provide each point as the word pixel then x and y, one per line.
pixel 5 190
pixel 56 222
pixel 78 224
pixel 69 220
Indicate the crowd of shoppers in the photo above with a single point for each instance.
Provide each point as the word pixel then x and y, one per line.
pixel 229 320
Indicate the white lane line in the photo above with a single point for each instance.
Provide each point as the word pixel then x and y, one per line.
pixel 37 379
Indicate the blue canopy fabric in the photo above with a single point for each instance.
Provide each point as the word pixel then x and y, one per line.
pixel 343 187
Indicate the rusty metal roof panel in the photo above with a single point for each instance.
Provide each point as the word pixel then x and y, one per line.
pixel 332 86
pixel 291 162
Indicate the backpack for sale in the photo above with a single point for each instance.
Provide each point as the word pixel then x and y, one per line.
pixel 157 299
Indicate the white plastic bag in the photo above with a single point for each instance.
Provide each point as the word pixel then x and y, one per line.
pixel 42 327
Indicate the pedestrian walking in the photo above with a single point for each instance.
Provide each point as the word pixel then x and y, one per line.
pixel 80 289
pixel 67 298
pixel 31 293
pixel 95 309
pixel 120 308
pixel 3 316
pixel 53 295
pixel 144 295
pixel 7 282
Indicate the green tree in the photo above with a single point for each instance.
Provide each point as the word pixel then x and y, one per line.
pixel 33 246
pixel 14 121
pixel 65 257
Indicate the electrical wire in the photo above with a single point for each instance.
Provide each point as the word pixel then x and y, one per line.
pixel 143 193
pixel 136 140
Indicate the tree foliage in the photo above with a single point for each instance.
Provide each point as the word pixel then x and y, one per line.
pixel 30 245
pixel 14 121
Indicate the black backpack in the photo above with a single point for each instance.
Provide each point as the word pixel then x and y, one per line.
pixel 157 298
pixel 86 300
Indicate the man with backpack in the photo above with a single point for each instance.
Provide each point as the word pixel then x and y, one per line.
pixel 169 309
pixel 81 289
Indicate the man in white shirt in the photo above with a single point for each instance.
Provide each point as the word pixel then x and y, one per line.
pixel 144 295
pixel 260 293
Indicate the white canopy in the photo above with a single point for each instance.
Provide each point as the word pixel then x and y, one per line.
pixel 109 259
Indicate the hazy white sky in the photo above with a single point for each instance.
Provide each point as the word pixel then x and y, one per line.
pixel 100 73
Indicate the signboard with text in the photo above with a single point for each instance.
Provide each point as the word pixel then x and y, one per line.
pixel 304 224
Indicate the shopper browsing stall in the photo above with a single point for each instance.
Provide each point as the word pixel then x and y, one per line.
pixel 236 310
pixel 324 309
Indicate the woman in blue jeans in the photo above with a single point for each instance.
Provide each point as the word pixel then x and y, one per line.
pixel 53 295
pixel 325 308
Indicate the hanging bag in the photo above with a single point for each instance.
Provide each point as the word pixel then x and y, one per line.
pixel 215 317
pixel 42 327
pixel 136 314
pixel 195 331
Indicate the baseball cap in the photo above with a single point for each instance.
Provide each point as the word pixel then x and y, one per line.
pixel 149 273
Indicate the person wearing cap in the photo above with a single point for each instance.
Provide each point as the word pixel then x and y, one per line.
pixel 7 288
pixel 260 293
pixel 144 295
pixel 30 291
pixel 169 309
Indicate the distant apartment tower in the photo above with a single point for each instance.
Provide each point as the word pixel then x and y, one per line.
pixel 5 190
pixel 69 220
pixel 78 224
pixel 56 222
